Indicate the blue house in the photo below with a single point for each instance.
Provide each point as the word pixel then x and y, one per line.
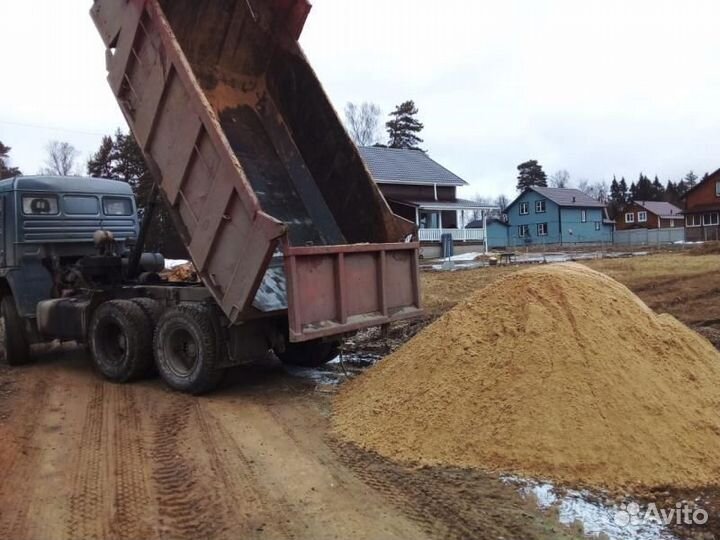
pixel 497 232
pixel 542 216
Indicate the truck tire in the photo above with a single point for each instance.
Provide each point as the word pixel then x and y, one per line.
pixel 121 341
pixel 15 342
pixel 187 348
pixel 311 354
pixel 152 308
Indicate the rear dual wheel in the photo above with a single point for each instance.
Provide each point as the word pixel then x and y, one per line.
pixel 188 348
pixel 121 341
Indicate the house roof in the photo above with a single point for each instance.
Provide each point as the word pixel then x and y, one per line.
pixel 708 179
pixel 402 166
pixel 563 197
pixel 663 210
pixel 567 197
pixel 478 223
pixel 457 204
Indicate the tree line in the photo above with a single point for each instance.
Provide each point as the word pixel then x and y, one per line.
pixel 618 193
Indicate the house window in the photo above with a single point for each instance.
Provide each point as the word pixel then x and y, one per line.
pixel 583 216
pixel 523 231
pixel 524 209
pixel 630 217
pixel 539 207
pixel 711 219
pixel 693 220
pixel 717 188
pixel 542 229
pixel 597 225
pixel 642 217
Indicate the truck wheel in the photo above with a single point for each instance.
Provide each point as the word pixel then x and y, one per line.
pixel 188 349
pixel 152 308
pixel 311 354
pixel 15 342
pixel 121 341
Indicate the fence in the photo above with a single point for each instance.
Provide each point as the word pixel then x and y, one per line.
pixel 649 237
pixel 459 235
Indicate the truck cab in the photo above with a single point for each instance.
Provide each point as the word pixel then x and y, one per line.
pixel 49 225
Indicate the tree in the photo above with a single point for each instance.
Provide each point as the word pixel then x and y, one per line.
pixel 658 190
pixel 61 160
pixel 531 174
pixel 561 179
pixel 502 202
pixel 120 158
pixel 598 190
pixel 624 192
pixel 363 123
pixel 643 190
pixel 6 171
pixel 403 128
pixel 691 179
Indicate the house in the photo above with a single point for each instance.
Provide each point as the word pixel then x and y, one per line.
pixel 649 215
pixel 702 210
pixel 542 216
pixel 424 192
pixel 497 231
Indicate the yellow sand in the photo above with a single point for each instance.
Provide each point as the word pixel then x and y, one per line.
pixel 557 372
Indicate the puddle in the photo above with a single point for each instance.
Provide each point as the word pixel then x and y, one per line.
pixel 599 520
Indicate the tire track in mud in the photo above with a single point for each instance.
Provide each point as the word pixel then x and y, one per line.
pixel 87 502
pixel 440 512
pixel 237 473
pixel 131 484
pixel 19 463
pixel 188 507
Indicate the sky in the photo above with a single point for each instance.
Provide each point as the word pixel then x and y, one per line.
pixel 596 87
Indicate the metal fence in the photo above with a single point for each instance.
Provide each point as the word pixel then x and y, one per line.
pixel 649 237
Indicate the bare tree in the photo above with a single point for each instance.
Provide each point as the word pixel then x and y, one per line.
pixel 61 160
pixel 363 123
pixel 561 179
pixel 502 202
pixel 598 190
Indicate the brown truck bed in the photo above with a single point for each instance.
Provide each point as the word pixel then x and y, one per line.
pixel 268 192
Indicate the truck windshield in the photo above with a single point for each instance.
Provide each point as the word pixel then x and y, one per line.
pixel 35 205
pixel 116 206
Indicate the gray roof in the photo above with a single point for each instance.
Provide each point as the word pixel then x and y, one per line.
pixel 568 197
pixel 400 166
pixel 663 210
pixel 66 184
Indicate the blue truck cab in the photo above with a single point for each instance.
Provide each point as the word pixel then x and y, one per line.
pixel 52 222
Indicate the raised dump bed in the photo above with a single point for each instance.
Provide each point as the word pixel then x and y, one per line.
pixel 264 184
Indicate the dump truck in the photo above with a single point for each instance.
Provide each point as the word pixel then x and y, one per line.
pixel 294 245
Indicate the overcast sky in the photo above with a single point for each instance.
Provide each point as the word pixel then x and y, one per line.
pixel 597 87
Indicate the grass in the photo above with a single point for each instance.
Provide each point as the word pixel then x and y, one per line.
pixel 443 290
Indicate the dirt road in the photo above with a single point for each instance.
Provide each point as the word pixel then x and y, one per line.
pixel 81 458
pixel 85 459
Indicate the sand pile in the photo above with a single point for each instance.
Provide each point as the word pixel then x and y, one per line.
pixel 557 373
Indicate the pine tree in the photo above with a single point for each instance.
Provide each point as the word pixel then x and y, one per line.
pixel 5 170
pixel 643 190
pixel 403 128
pixel 531 174
pixel 624 191
pixel 617 200
pixel 672 194
pixel 120 158
pixel 658 191
pixel 691 179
